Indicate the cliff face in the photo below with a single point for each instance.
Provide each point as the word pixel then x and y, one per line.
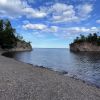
pixel 22 46
pixel 84 46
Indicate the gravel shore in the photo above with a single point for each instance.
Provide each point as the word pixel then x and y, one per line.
pixel 20 81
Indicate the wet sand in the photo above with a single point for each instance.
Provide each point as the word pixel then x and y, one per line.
pixel 20 81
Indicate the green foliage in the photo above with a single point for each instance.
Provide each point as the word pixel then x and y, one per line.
pixel 8 38
pixel 7 35
pixel 92 38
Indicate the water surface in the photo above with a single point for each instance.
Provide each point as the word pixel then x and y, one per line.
pixel 83 65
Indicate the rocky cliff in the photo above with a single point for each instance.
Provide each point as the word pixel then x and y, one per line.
pixel 22 46
pixel 84 46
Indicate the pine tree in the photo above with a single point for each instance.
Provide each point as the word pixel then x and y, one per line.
pixel 7 35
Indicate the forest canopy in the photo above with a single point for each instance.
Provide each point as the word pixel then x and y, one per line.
pixel 91 38
pixel 8 36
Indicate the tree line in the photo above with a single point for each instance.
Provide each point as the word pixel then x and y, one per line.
pixel 92 38
pixel 8 36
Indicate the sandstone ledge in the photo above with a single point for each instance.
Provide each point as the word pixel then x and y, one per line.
pixel 84 46
pixel 21 46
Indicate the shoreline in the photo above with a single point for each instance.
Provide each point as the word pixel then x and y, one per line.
pixel 42 77
pixel 62 72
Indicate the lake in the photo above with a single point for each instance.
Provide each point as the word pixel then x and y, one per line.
pixel 83 65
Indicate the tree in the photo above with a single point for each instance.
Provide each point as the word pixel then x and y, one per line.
pixel 82 38
pixel 1 32
pixel 91 38
pixel 76 40
pixel 7 35
pixel 1 25
pixel 94 37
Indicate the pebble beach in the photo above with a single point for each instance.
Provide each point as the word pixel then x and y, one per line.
pixel 21 81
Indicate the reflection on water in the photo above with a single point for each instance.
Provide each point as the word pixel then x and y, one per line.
pixel 85 65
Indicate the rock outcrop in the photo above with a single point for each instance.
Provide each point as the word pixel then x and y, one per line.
pixel 84 46
pixel 22 46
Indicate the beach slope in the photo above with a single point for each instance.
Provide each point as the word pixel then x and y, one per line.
pixel 20 81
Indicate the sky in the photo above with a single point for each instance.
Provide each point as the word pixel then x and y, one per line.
pixel 52 23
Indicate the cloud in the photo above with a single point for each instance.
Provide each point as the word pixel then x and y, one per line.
pixel 34 13
pixel 26 22
pixel 60 31
pixel 69 13
pixel 35 26
pixel 63 12
pixel 29 26
pixel 85 10
pixel 53 28
pixel 57 12
pixel 18 8
pixel 41 27
pixel 98 21
pixel 72 30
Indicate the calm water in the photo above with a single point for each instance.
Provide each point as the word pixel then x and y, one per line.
pixel 84 65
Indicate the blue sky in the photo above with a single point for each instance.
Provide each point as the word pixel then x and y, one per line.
pixel 52 23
